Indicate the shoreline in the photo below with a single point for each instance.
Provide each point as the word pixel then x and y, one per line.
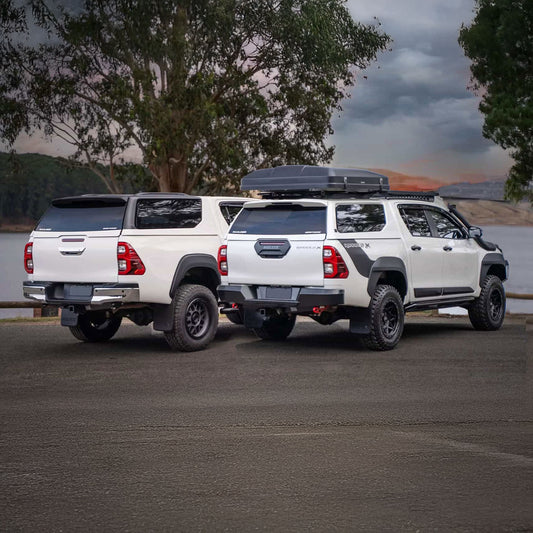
pixel 16 228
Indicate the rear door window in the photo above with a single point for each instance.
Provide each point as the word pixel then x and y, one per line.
pixel 83 215
pixel 281 220
pixel 360 218
pixel 168 213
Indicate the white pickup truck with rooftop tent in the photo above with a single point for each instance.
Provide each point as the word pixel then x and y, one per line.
pixel 338 244
pixel 150 257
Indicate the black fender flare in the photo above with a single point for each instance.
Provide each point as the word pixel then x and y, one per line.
pixel 490 260
pixel 385 264
pixel 187 262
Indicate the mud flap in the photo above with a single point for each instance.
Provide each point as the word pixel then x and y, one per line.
pixel 163 317
pixel 68 317
pixel 253 319
pixel 359 321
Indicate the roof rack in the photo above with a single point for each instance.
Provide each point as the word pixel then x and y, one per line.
pixel 411 195
pixel 428 196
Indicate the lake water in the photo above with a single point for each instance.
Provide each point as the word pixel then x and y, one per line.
pixel 516 242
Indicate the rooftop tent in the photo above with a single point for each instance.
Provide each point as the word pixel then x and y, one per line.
pixel 303 178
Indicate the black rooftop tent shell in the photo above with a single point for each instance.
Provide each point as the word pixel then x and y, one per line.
pixel 303 178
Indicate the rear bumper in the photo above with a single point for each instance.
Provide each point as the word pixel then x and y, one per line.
pixel 292 299
pixel 91 294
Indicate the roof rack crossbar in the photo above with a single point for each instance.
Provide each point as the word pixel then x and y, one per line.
pixel 408 195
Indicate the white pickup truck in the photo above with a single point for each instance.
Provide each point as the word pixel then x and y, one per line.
pixel 337 244
pixel 150 257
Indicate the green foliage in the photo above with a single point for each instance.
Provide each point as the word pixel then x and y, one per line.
pixel 206 90
pixel 28 182
pixel 500 44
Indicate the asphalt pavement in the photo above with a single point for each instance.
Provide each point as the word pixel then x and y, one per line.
pixel 312 434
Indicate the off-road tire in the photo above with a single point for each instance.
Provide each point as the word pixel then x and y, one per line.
pixel 276 327
pixel 95 326
pixel 195 318
pixel 386 319
pixel 487 312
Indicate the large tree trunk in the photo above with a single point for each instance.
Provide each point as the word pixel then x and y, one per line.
pixel 172 175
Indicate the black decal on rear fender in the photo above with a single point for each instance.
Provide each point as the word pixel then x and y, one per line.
pixel 359 258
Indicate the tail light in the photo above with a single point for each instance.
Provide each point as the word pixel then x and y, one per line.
pixel 334 265
pixel 129 262
pixel 223 260
pixel 28 258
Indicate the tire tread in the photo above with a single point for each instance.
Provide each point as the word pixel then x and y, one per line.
pixel 477 312
pixel 374 341
pixel 178 338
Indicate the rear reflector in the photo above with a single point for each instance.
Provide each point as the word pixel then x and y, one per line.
pixel 129 262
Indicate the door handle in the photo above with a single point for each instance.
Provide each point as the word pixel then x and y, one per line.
pixel 447 248
pixel 415 247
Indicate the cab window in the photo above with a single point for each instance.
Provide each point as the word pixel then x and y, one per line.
pixel 230 210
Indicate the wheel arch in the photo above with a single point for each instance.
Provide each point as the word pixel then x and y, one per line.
pixel 493 264
pixel 390 271
pixel 200 269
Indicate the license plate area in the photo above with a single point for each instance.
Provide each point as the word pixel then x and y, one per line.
pixel 77 291
pixel 278 293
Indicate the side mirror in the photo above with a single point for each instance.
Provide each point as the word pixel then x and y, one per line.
pixel 474 232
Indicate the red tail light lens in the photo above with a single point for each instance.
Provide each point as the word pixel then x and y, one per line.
pixel 28 258
pixel 129 262
pixel 334 265
pixel 223 260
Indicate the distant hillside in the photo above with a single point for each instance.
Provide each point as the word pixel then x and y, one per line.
pixel 481 203
pixel 404 182
pixel 28 182
pixel 487 190
pixel 492 213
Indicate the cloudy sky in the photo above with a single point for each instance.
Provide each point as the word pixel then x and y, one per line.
pixel 413 114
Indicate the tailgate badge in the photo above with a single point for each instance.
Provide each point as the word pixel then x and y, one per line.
pixel 270 248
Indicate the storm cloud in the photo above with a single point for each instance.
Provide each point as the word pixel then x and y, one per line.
pixel 413 112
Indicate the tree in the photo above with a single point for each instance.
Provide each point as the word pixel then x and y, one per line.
pixel 205 89
pixel 500 44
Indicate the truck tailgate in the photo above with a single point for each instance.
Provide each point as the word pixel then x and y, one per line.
pixel 79 257
pixel 295 261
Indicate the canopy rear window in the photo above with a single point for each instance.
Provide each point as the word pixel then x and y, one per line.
pixel 360 218
pixel 280 220
pixel 168 213
pixel 93 215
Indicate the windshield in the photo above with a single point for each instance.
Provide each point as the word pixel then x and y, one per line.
pixel 82 218
pixel 280 220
